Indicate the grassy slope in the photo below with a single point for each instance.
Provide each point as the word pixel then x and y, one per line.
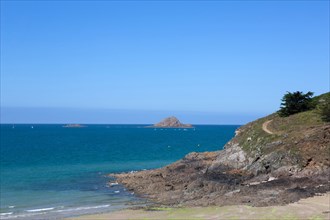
pixel 299 136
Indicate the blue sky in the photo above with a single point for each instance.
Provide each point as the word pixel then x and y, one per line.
pixel 212 62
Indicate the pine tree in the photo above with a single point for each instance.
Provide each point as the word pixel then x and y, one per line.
pixel 295 102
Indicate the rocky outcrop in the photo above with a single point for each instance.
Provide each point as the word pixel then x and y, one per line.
pixel 171 122
pixel 255 167
pixel 192 182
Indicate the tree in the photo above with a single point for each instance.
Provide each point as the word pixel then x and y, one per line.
pixel 295 102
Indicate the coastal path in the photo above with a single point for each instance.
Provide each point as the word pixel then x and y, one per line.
pixel 265 127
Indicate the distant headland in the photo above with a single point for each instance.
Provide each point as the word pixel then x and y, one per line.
pixel 171 122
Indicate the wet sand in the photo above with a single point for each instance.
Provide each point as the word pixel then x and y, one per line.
pixel 316 208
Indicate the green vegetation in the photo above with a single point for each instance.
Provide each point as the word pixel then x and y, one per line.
pixel 323 106
pixel 296 122
pixel 254 140
pixel 253 137
pixel 295 102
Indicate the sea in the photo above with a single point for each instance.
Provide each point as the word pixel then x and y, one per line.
pixel 53 172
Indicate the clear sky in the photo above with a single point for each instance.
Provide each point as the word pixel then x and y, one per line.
pixel 212 62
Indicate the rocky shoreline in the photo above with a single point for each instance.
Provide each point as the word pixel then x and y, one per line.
pixel 188 182
pixel 255 168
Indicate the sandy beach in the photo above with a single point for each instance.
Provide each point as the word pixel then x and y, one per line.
pixel 317 207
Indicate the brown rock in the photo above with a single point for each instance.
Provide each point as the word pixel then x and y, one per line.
pixel 171 122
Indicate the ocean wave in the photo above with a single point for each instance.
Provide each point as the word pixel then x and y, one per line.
pixel 83 208
pixel 20 215
pixel 5 213
pixel 40 210
pixel 32 213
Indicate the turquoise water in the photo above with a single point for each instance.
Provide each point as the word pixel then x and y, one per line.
pixel 48 171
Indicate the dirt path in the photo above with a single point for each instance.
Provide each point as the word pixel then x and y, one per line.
pixel 265 127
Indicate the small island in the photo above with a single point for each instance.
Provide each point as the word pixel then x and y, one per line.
pixel 171 122
pixel 74 126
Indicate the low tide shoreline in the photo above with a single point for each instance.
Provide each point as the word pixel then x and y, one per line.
pixel 317 207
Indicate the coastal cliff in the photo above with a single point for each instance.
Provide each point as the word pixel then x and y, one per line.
pixel 270 161
pixel 171 122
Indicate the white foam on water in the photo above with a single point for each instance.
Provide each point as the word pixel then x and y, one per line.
pixel 114 184
pixel 40 210
pixel 82 208
pixel 36 213
pixel 6 213
pixel 20 215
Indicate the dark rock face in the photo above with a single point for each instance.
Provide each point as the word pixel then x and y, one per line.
pixel 171 122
